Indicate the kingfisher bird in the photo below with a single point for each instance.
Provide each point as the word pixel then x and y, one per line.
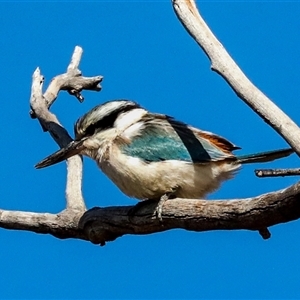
pixel 154 156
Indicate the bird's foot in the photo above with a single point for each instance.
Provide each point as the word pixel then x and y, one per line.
pixel 168 195
pixel 159 205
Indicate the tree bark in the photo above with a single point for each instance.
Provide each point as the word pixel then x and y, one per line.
pixel 100 225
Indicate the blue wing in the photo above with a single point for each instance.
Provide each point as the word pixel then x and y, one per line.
pixel 162 138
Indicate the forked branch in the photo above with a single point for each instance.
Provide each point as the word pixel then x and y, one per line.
pixel 74 83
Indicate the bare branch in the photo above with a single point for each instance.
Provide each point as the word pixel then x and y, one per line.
pixel 64 225
pixel 100 225
pixel 277 172
pixel 224 65
pixel 258 213
pixel 47 119
pixel 75 60
pixel 73 82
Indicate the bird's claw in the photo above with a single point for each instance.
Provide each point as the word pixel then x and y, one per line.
pixel 158 209
pixel 163 199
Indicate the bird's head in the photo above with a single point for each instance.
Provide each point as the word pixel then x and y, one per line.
pixel 93 126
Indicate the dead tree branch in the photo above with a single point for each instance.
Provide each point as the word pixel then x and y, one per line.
pixel 100 225
pixel 277 172
pixel 73 82
pixel 223 64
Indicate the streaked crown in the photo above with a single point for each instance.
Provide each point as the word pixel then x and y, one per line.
pixel 102 117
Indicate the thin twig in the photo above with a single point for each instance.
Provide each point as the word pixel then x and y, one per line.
pixel 277 172
pixel 265 233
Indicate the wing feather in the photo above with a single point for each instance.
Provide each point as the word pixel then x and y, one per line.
pixel 161 138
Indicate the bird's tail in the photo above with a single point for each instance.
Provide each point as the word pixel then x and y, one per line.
pixel 264 156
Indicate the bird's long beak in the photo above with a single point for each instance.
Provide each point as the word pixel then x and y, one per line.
pixel 72 149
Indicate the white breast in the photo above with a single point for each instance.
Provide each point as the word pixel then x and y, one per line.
pixel 143 180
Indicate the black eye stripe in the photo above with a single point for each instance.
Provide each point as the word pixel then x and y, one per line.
pixel 104 123
pixel 109 120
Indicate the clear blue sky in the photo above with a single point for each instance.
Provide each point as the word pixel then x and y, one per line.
pixel 145 55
